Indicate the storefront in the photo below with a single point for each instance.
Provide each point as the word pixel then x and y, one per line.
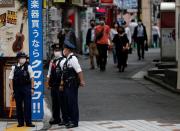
pixel 168 33
pixel 17 18
pixel 11 19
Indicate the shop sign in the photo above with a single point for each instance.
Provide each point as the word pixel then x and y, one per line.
pixel 90 2
pixel 77 2
pixel 6 3
pixel 59 1
pixel 126 4
pixel 11 17
pixel 2 20
pixel 36 55
pixel 106 1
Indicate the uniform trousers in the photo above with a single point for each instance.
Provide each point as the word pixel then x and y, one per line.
pixel 57 97
pixel 23 96
pixel 71 102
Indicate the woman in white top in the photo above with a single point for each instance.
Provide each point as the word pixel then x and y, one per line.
pixel 113 32
pixel 156 35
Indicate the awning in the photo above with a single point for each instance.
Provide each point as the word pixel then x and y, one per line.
pixel 168 6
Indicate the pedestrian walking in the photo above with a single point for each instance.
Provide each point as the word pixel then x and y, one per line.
pixel 129 36
pixel 90 41
pixel 113 32
pixel 54 80
pixel 140 37
pixel 72 77
pixel 121 42
pixel 132 26
pixel 67 33
pixel 102 35
pixel 156 35
pixel 61 37
pixel 22 87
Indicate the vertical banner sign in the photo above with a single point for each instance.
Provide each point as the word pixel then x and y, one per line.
pixel 36 55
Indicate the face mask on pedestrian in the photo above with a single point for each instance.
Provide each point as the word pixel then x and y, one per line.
pixel 102 23
pixel 116 26
pixel 22 61
pixel 57 53
pixel 92 24
pixel 139 23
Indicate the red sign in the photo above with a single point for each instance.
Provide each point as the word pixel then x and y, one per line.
pixel 168 19
pixel 101 10
pixel 106 1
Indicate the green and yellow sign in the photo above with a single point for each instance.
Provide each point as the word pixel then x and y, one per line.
pixel 58 1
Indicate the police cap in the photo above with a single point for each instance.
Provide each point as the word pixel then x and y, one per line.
pixel 55 47
pixel 21 55
pixel 69 45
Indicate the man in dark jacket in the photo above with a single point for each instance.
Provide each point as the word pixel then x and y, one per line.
pixel 91 44
pixel 68 34
pixel 140 37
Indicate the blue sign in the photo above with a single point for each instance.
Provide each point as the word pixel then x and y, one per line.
pixel 127 4
pixel 36 55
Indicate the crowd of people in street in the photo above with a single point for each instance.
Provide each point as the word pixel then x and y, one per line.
pixel 120 38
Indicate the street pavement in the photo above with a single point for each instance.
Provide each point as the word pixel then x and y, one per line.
pixel 113 101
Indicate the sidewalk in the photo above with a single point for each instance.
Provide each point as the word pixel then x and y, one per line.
pixel 124 125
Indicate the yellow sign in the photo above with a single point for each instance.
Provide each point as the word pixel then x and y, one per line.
pixel 2 20
pixel 59 1
pixel 77 2
pixel 12 17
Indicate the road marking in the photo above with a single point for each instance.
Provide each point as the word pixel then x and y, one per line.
pixel 15 128
pixel 139 75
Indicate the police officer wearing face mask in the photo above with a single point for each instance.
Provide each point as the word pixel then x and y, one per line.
pixel 72 77
pixel 54 79
pixel 22 87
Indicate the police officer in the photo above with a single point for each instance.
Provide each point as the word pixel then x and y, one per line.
pixel 54 79
pixel 72 78
pixel 22 87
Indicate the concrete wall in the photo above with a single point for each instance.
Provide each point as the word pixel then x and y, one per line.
pixel 146 17
pixel 8 33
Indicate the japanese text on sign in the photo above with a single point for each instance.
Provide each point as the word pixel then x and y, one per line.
pixel 36 55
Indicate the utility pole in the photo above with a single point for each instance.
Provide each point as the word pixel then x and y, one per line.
pixel 139 10
pixel 178 40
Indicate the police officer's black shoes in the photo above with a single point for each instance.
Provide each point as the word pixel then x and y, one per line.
pixel 20 125
pixel 62 124
pixel 30 125
pixel 53 122
pixel 71 125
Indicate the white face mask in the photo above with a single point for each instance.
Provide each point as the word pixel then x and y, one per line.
pixel 65 52
pixel 102 23
pixel 57 53
pixel 22 60
pixel 139 23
